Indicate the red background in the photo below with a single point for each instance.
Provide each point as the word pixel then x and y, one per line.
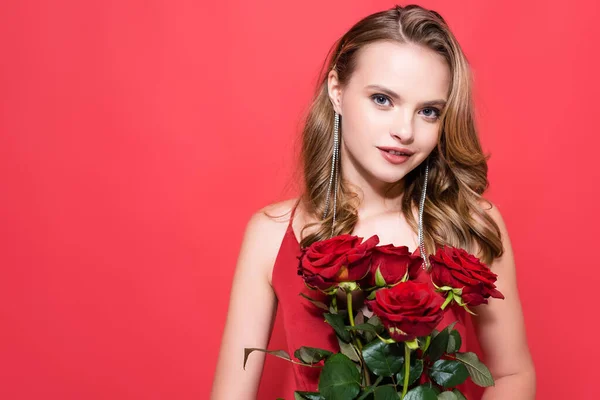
pixel 137 137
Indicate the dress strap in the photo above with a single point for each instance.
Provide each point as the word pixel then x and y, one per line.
pixel 290 229
pixel 294 210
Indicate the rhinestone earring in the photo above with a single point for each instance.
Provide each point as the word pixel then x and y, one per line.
pixel 333 177
pixel 425 264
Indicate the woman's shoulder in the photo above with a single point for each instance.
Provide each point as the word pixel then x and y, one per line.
pixel 266 229
pixel 273 216
pixel 490 210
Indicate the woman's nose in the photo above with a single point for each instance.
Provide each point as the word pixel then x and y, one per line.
pixel 403 126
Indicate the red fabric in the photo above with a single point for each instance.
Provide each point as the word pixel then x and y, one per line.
pixel 303 324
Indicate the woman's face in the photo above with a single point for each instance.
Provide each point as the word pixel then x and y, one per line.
pixel 393 100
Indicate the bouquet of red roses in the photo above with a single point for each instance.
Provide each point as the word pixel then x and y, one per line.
pixel 396 352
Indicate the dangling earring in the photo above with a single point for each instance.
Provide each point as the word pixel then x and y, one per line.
pixel 333 178
pixel 421 206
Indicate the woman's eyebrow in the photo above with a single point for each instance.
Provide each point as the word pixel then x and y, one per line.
pixel 396 96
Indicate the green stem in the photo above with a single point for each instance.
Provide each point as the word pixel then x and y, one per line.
pixel 448 300
pixel 357 341
pixel 350 313
pixel 406 369
pixel 351 317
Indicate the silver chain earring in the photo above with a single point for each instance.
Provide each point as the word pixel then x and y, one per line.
pixel 333 178
pixel 421 206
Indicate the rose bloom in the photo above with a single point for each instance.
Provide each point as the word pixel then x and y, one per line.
pixel 393 263
pixel 456 268
pixel 408 310
pixel 343 258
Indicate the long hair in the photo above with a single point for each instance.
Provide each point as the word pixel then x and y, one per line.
pixel 452 213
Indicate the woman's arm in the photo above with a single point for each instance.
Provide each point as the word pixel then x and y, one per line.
pixel 501 331
pixel 252 307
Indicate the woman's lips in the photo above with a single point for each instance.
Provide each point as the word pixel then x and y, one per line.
pixel 393 158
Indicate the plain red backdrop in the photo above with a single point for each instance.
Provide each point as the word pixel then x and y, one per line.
pixel 137 138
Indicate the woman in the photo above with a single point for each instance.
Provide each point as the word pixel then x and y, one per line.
pixel 392 119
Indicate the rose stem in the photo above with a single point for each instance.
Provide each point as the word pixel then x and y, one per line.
pixel 448 300
pixel 406 369
pixel 350 313
pixel 357 339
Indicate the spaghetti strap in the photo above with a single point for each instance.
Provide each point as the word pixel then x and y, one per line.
pixel 290 229
pixel 294 210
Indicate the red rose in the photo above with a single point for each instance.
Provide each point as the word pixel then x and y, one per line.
pixel 408 310
pixel 393 263
pixel 456 268
pixel 343 258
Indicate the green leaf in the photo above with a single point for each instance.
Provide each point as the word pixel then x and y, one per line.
pixel 457 291
pixel 416 369
pixel 337 323
pixel 448 373
pixel 459 395
pixel 367 395
pixel 339 380
pixel 376 322
pixel 383 359
pixel 277 353
pixel 370 389
pixel 480 374
pixel 311 355
pixel 447 396
pixel 438 345
pixel 406 276
pixel 386 393
pixel 379 280
pixel 454 342
pixel 424 342
pixel 362 327
pixel 450 327
pixel 422 392
pixel 359 318
pixel 333 308
pixel 317 303
pixel 307 396
pixel 379 328
pixel 369 336
pixel 348 350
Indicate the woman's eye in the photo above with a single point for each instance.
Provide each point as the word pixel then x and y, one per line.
pixel 432 113
pixel 380 100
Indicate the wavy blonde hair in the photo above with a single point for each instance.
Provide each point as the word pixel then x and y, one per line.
pixel 452 213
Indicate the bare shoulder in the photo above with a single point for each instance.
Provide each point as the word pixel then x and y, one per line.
pixel 265 231
pixel 272 218
pixel 494 213
pixel 492 210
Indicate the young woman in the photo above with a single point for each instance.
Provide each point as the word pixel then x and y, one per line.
pixel 392 120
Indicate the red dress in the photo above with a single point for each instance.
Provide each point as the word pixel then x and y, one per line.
pixel 302 324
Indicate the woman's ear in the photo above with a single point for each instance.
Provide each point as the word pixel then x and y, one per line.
pixel 335 91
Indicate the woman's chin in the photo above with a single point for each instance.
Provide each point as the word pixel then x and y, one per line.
pixel 389 179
